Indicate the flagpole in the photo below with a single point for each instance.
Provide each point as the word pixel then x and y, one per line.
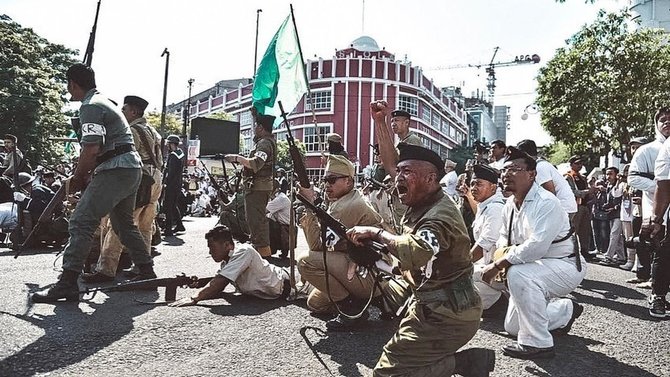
pixel 309 92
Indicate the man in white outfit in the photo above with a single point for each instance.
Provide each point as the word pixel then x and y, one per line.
pixel 449 181
pixel 540 262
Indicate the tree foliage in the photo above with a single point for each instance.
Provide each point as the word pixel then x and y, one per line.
pixel 602 88
pixel 32 90
pixel 283 157
pixel 173 124
pixel 221 115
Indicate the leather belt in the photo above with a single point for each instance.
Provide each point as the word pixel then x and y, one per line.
pixel 119 150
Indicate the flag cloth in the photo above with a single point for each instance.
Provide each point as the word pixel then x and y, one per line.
pixel 281 74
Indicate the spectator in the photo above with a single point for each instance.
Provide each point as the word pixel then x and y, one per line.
pixel 279 215
pixel 582 218
pixel 449 181
pixel 626 215
pixel 612 208
pixel 497 154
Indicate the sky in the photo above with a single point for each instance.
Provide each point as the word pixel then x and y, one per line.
pixel 212 40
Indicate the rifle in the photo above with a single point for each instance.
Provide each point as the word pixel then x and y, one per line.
pixel 45 217
pixel 365 255
pixel 296 157
pixel 170 284
pixel 88 56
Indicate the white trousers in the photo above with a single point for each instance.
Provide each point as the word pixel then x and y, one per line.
pixel 615 249
pixel 535 306
pixel 490 293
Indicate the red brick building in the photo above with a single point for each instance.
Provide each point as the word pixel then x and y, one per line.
pixel 342 88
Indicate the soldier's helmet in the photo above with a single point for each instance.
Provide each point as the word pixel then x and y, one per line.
pixel 173 139
pixel 25 178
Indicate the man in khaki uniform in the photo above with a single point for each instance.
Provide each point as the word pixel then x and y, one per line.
pixel 435 260
pixel 148 144
pixel 400 126
pixel 259 176
pixel 348 290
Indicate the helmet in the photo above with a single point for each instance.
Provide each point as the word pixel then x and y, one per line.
pixel 173 139
pixel 25 178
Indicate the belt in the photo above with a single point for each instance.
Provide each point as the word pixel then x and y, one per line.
pixel 443 294
pixel 119 150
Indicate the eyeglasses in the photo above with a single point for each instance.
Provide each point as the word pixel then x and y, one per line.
pixel 331 180
pixel 512 170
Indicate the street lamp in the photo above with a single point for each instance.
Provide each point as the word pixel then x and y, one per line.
pixel 165 53
pixel 530 109
pixel 187 112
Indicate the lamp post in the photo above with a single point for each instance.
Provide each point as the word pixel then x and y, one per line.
pixel 187 112
pixel 258 14
pixel 165 53
pixel 530 109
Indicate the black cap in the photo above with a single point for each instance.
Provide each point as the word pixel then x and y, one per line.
pixel 266 121
pixel 514 154
pixel 575 159
pixel 527 146
pixel 485 172
pixel 415 152
pixel 400 113
pixel 136 101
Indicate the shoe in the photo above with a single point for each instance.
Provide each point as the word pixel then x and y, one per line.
pixel 520 351
pixel 131 272
pixel 498 309
pixel 342 323
pixel 179 228
pixel 577 311
pixel 154 252
pixel 61 290
pixel 657 306
pixel 636 281
pixel 608 262
pixel 475 362
pixel 96 277
pixel 146 272
pixel 645 285
pixel 628 266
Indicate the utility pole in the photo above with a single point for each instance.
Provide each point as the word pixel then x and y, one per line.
pixel 187 111
pixel 258 14
pixel 165 53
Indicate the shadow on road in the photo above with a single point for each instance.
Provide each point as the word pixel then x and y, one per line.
pixel 172 241
pixel 72 334
pixel 611 291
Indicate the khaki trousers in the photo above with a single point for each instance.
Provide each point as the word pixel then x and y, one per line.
pixel 111 248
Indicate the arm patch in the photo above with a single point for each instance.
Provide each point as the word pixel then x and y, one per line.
pixel 430 239
pixel 93 129
pixel 262 155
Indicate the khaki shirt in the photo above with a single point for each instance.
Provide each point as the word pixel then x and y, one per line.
pixel 262 159
pixel 350 210
pixel 412 139
pixel 139 128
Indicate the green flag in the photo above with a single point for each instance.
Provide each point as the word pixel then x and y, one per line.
pixel 281 73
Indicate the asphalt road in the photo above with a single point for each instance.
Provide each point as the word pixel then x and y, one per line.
pixel 115 334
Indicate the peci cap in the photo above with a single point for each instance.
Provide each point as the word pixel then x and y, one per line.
pixel 513 153
pixel 415 152
pixel 400 113
pixel 266 121
pixel 575 160
pixel 136 101
pixel 449 164
pixel 485 172
pixel 340 166
pixel 528 146
pixel 638 140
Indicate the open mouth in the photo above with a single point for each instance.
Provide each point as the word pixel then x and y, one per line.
pixel 402 190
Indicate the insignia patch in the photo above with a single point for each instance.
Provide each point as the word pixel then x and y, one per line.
pixel 430 239
pixel 262 155
pixel 93 129
pixel 331 238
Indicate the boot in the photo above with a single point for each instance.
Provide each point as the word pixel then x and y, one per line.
pixel 146 272
pixel 350 306
pixel 65 288
pixel 265 251
pixel 475 362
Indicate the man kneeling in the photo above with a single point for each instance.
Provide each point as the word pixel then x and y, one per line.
pixel 242 266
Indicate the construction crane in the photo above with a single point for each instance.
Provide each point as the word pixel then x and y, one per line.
pixel 491 66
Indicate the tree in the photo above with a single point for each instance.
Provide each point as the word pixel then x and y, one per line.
pixel 173 124
pixel 603 87
pixel 32 90
pixel 221 115
pixel 283 157
pixel 460 155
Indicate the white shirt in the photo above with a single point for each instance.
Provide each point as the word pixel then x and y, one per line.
pixel 448 183
pixel 498 164
pixel 540 220
pixel 8 216
pixel 547 172
pixel 252 274
pixel 644 161
pixel 487 224
pixel 279 209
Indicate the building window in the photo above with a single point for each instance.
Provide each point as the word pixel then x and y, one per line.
pixel 426 114
pixel 321 100
pixel 435 121
pixel 281 135
pixel 314 141
pixel 452 132
pixel 315 175
pixel 245 118
pixel 409 104
pixel 246 142
pixel 444 128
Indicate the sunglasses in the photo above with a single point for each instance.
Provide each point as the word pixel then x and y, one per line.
pixel 331 180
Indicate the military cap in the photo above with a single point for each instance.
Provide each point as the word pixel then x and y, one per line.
pixel 528 146
pixel 415 152
pixel 400 113
pixel 513 153
pixel 485 172
pixel 340 166
pixel 335 138
pixel 575 160
pixel 136 101
pixel 25 178
pixel 638 140
pixel 265 121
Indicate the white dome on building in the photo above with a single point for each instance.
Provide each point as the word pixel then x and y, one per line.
pixel 365 43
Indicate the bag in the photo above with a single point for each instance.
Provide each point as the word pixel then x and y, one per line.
pixel 143 196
